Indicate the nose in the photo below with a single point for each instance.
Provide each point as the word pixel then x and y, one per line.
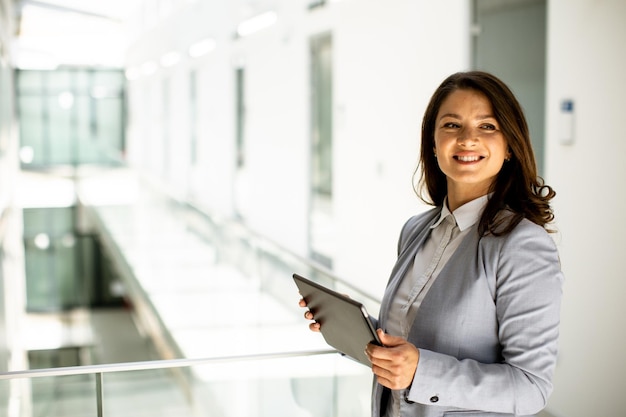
pixel 467 136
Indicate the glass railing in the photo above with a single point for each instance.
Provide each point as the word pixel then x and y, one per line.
pixel 305 384
pixel 218 303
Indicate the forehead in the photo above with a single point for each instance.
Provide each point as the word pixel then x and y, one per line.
pixel 466 100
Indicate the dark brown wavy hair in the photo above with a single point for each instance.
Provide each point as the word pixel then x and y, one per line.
pixel 517 187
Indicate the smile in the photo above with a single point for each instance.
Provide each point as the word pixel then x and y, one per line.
pixel 468 158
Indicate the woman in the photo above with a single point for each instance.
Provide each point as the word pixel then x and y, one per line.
pixel 471 311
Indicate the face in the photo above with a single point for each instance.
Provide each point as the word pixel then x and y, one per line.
pixel 469 145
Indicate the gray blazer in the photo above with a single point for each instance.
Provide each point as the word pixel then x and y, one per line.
pixel 487 330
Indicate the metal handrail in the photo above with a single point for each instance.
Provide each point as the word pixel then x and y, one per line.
pixel 157 364
pixel 99 370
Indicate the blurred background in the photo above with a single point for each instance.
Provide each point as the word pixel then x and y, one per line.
pixel 166 165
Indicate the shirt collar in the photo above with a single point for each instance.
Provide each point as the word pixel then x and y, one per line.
pixel 465 216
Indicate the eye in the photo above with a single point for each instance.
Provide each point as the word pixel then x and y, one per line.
pixel 488 126
pixel 451 125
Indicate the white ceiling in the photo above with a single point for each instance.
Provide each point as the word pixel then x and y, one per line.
pixel 71 32
pixel 112 9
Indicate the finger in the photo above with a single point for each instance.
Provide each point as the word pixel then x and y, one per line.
pixel 390 356
pixel 302 303
pixel 315 327
pixel 389 340
pixel 392 376
pixel 389 383
pixel 378 356
pixel 382 363
pixel 308 315
pixel 383 375
pixel 379 353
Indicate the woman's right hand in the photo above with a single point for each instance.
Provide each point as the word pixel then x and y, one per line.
pixel 315 327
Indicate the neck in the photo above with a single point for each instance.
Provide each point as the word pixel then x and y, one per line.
pixel 457 196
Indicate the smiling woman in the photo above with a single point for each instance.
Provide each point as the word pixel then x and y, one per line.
pixel 471 311
pixel 475 293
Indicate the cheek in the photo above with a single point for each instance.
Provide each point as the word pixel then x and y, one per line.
pixel 499 148
pixel 441 141
pixel 444 165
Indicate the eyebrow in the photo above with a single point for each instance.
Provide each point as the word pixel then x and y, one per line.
pixel 456 116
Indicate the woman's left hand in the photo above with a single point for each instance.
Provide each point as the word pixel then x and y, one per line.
pixel 395 362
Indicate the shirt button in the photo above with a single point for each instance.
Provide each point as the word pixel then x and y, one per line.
pixel 434 399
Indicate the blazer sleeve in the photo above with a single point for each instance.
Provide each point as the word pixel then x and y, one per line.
pixel 528 289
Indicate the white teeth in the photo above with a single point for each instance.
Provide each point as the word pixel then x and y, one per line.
pixel 472 158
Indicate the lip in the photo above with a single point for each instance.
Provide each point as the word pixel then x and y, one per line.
pixel 468 158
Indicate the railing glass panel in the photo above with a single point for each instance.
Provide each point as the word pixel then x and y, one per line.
pixel 318 384
pixel 68 395
pixel 199 287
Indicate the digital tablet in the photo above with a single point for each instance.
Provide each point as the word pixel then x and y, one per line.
pixel 344 322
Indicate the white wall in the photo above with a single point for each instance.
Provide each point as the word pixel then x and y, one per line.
pixel 386 64
pixel 586 63
pixel 389 60
pixel 272 191
pixel 276 134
